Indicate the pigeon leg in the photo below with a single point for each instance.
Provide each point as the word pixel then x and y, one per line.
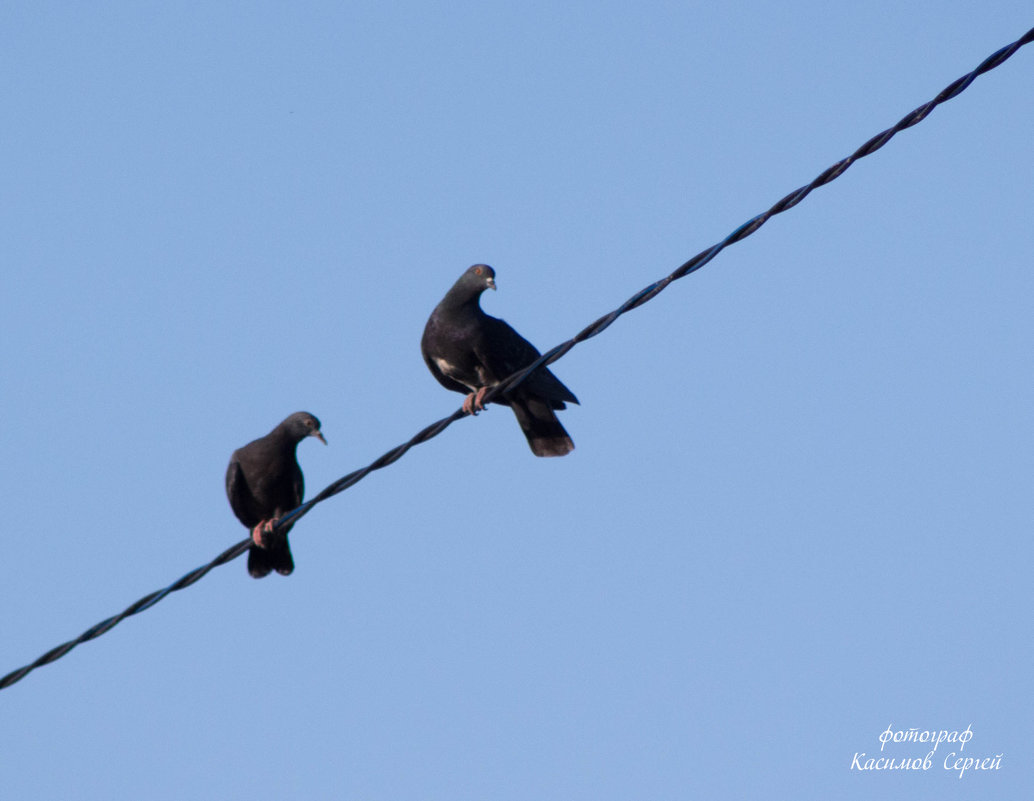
pixel 474 402
pixel 256 534
pixel 260 532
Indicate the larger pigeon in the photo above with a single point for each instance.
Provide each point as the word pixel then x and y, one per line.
pixel 264 481
pixel 470 351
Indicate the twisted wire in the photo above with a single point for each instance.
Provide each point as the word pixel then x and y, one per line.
pixel 144 603
pixel 597 327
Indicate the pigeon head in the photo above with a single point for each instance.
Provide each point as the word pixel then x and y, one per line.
pixel 301 425
pixel 466 292
pixel 478 278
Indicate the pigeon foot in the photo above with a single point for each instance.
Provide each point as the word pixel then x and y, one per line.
pixel 473 404
pixel 258 534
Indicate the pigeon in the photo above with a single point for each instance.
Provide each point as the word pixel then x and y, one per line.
pixel 469 351
pixel 263 482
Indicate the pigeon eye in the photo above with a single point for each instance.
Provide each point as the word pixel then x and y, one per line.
pixel 477 271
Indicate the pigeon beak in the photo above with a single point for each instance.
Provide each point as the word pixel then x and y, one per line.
pixel 320 435
pixel 491 282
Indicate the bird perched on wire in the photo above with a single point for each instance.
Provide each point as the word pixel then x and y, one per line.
pixel 263 481
pixel 469 351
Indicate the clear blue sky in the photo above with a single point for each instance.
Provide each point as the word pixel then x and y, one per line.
pixel 799 510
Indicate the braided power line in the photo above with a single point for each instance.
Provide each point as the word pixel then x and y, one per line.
pixel 550 356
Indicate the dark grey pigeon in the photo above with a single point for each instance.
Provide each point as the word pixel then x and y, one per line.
pixel 470 351
pixel 263 482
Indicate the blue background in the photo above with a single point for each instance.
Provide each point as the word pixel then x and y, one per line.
pixel 799 510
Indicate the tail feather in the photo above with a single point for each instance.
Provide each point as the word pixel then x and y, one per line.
pixel 541 427
pixel 261 561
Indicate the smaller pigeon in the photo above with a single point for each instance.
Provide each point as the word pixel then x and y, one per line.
pixel 470 351
pixel 263 482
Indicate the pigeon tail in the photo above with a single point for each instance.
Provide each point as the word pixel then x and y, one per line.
pixel 277 556
pixel 540 425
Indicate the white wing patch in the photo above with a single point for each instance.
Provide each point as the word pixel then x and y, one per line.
pixel 444 366
pixel 451 371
